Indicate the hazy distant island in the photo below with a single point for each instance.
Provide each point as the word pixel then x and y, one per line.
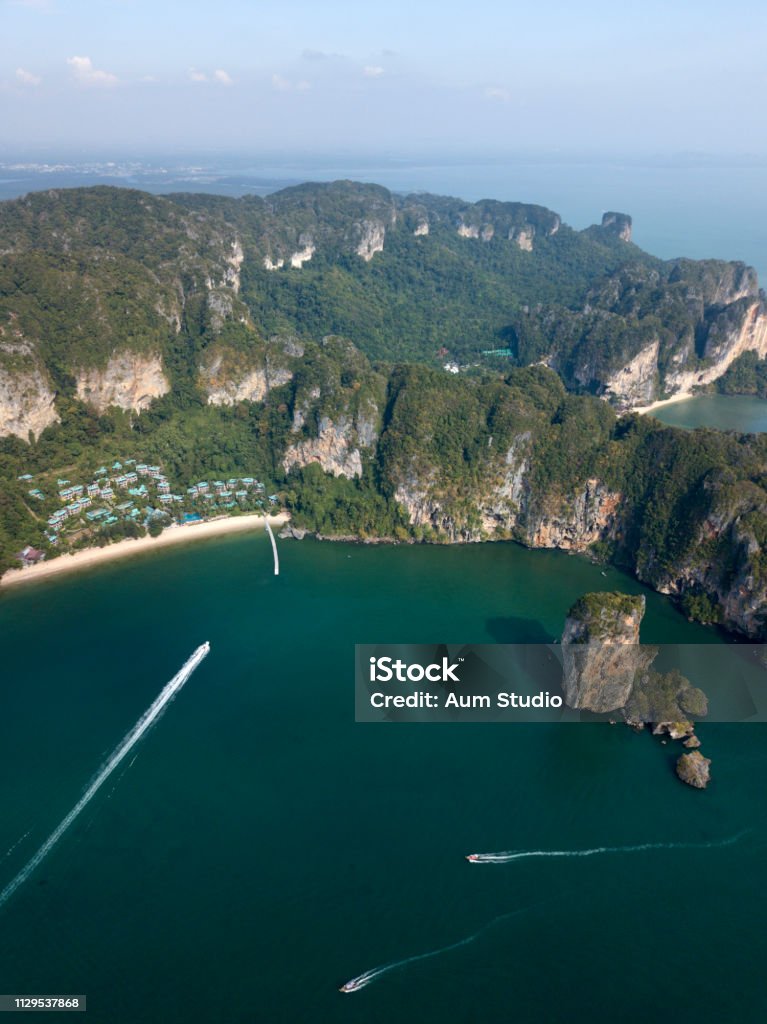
pixel 417 368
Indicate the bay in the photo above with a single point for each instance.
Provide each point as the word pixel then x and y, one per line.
pixel 264 848
pixel 743 413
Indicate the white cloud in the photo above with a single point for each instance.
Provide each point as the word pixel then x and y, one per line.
pixel 223 77
pixel 26 77
pixel 280 84
pixel 372 71
pixel 86 74
pixel 197 76
pixel 497 92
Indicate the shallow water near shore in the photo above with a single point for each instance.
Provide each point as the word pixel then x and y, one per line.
pixel 744 413
pixel 263 848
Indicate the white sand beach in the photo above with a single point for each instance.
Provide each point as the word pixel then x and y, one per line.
pixel 681 397
pixel 173 535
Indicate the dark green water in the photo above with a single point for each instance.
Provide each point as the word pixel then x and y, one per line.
pixel 263 848
pixel 743 413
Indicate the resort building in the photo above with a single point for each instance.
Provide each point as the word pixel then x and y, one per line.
pixel 30 556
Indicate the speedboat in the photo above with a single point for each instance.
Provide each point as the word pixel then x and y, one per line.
pixel 473 857
pixel 351 986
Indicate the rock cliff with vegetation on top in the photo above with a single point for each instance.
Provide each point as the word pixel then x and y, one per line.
pixel 136 324
pixel 601 651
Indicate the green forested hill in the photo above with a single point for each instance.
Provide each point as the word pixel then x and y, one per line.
pixel 301 338
pixel 438 277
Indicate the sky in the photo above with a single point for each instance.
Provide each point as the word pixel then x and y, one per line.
pixel 405 76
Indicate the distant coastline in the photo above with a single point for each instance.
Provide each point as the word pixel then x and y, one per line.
pixel 173 535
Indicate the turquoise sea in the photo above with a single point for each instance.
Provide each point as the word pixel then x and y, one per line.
pixel 744 413
pixel 263 848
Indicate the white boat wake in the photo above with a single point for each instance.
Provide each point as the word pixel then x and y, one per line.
pixel 362 980
pixel 274 548
pixel 507 856
pixel 120 752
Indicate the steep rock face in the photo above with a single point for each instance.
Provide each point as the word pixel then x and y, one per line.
pixel 336 447
pixel 500 506
pixel 129 381
pixel 234 263
pixel 524 239
pixel 574 524
pixel 648 332
pixel 244 385
pixel 249 372
pixel 295 259
pixel 26 394
pixel 740 328
pixel 304 254
pixel 618 223
pixel 635 385
pixel 506 507
pixel 252 386
pixel 495 510
pixel 372 235
pixel 600 647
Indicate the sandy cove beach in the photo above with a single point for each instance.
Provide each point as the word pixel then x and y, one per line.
pixel 681 397
pixel 173 535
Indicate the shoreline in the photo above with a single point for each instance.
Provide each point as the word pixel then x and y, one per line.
pixel 133 546
pixel 681 397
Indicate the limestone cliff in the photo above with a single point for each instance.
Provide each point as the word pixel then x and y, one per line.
pixel 647 333
pixel 227 380
pixel 507 506
pixel 635 384
pixel 129 381
pixel 741 327
pixel 495 510
pixel 372 235
pixel 618 223
pixel 600 647
pixel 575 522
pixel 338 446
pixel 26 394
